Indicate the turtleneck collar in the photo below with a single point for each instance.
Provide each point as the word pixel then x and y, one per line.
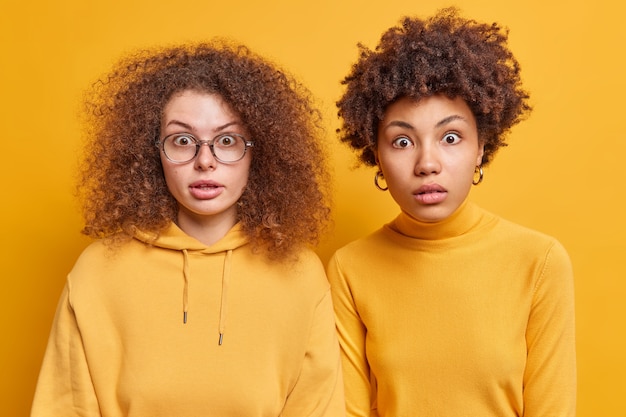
pixel 467 217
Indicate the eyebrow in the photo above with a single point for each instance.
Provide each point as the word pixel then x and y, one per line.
pixel 189 127
pixel 450 119
pixel 399 123
pixel 442 122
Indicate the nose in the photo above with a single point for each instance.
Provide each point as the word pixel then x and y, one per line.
pixel 205 159
pixel 428 161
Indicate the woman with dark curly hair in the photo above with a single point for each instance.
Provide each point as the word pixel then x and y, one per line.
pixel 447 310
pixel 201 295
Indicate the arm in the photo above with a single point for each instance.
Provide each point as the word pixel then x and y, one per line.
pixel 550 376
pixel 352 334
pixel 319 390
pixel 64 387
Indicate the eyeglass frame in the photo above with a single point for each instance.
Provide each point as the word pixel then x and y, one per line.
pixel 160 143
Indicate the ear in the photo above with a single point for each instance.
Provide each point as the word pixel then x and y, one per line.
pixel 374 150
pixel 481 152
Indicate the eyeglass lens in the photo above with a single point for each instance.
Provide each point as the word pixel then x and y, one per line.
pixel 184 147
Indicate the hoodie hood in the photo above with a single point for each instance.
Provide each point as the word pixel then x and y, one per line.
pixel 173 238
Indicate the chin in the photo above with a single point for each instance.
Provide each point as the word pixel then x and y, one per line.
pixel 433 215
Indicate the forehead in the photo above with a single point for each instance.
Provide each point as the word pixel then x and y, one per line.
pixel 198 111
pixel 427 109
pixel 188 100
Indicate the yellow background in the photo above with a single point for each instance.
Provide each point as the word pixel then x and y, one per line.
pixel 563 172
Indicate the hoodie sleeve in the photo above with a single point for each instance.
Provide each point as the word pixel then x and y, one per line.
pixel 352 333
pixel 319 389
pixel 64 387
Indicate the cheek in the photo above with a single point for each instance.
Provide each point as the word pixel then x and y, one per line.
pixel 398 177
pixel 245 176
pixel 171 174
pixel 167 172
pixel 467 170
pixel 396 163
pixel 466 176
pixel 164 165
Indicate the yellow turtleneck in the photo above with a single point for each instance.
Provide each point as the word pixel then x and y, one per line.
pixel 471 316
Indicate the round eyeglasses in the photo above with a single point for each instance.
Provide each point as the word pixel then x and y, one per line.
pixel 184 147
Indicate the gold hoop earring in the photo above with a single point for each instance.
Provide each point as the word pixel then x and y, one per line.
pixel 478 170
pixel 380 175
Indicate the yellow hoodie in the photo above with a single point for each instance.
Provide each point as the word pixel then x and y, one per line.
pixel 175 328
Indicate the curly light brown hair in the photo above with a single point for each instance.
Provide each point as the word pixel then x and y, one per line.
pixel 121 181
pixel 445 54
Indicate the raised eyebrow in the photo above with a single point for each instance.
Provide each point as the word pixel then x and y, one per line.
pixel 399 123
pixel 442 122
pixel 450 119
pixel 190 128
pixel 179 123
pixel 227 125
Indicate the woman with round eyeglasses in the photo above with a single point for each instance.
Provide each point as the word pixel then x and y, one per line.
pixel 203 181
pixel 447 310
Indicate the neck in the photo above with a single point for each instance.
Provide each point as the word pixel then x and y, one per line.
pixel 206 229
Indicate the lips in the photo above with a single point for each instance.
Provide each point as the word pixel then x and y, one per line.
pixel 205 190
pixel 430 194
pixel 205 184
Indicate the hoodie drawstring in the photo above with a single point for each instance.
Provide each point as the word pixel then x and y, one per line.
pixel 225 282
pixel 186 285
pixel 224 296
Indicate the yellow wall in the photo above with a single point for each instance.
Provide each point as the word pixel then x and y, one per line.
pixel 563 172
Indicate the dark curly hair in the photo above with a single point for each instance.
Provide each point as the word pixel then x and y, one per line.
pixel 445 54
pixel 121 181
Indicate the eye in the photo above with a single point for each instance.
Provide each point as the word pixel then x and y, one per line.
pixel 226 141
pixel 402 142
pixel 183 140
pixel 451 138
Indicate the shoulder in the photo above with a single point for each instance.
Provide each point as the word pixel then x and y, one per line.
pixel 313 274
pixel 365 244
pixel 301 272
pixel 93 255
pixel 526 236
pixel 307 264
pixel 99 252
pixel 546 253
pixel 103 261
pixel 361 257
pixel 542 257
